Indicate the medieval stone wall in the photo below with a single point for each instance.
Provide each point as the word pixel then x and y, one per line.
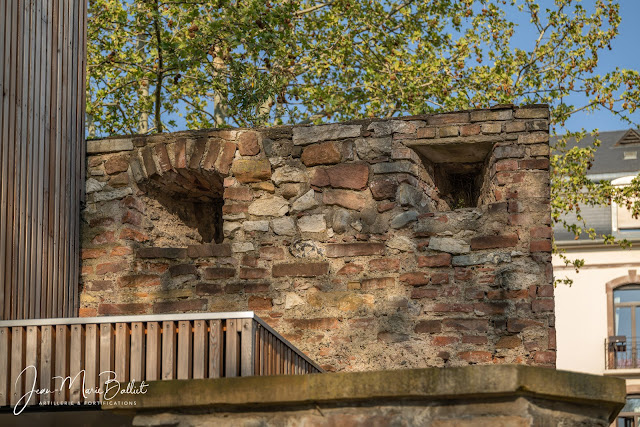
pixel 413 242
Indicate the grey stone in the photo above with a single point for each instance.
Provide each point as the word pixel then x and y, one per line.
pixel 402 166
pixel 284 226
pixel 229 227
pixel 288 174
pixel 105 196
pixel 306 249
pixel 255 225
pixel 408 195
pixel 305 202
pixel 341 220
pixel 449 245
pixel 401 243
pixel 475 259
pixel 370 148
pixel 403 219
pixel 242 247
pixel 303 135
pixel 388 127
pixel 507 151
pixel 269 206
pixel 93 185
pixel 109 146
pixel 312 224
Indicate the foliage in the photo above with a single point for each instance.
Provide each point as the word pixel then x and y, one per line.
pixel 275 61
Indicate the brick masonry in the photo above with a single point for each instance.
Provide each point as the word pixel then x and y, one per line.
pixel 340 236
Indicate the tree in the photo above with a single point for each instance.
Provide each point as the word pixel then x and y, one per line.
pixel 257 62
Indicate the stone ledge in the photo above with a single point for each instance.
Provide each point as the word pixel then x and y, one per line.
pixel 434 384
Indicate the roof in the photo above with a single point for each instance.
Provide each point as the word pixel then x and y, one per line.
pixel 610 156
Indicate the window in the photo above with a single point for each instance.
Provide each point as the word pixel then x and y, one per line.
pixel 626 311
pixel 622 220
pixel 630 414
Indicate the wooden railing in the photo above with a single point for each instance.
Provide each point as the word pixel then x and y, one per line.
pixel 76 358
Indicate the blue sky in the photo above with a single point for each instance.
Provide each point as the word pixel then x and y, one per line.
pixel 624 54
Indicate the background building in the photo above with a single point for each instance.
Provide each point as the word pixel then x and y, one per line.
pixel 604 300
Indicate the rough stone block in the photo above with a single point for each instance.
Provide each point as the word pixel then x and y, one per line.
pixel 327 153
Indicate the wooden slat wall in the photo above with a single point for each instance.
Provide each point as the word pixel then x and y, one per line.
pixel 42 152
pixel 139 350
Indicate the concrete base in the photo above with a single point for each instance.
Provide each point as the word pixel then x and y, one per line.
pixel 506 395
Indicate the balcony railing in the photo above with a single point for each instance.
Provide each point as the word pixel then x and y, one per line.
pixel 90 352
pixel 622 352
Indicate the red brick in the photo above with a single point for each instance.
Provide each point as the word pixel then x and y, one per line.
pixel 92 253
pixel 518 325
pixel 350 269
pixel 180 306
pixel 260 303
pixel 235 208
pixel 469 130
pixel 493 242
pixel 209 250
pixel 542 305
pixel 238 193
pixel 552 338
pixel 384 264
pixel 132 217
pixel 417 293
pixel 392 337
pixel 182 270
pixel 256 288
pixel 534 164
pixel 111 267
pixel 322 323
pixel 100 285
pixel 383 187
pixel 545 357
pixel 443 341
pixel 319 178
pixel 116 164
pixel 209 289
pixel 453 308
pixel 321 154
pixel 131 234
pixel 310 269
pixel 179 151
pixel 474 294
pixel 271 253
pixel 163 158
pixel 154 252
pixel 463 274
pixel 249 260
pixel 541 232
pixel 414 279
pixel 478 325
pixel 101 222
pixel 226 157
pixel 345 198
pixel 135 280
pixel 213 273
pixel 248 144
pixel 349 175
pixel 102 238
pixel 545 291
pixel 439 278
pixel 475 356
pixel 473 339
pixel 253 273
pixel 506 165
pixel 511 341
pixel 518 219
pixel 378 283
pixel 428 326
pixel 122 309
pixel 132 203
pixel 440 260
pixel 87 312
pixel 490 308
pixel 540 246
pixel 338 250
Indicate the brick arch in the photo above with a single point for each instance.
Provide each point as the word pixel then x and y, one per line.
pixel 192 168
pixel 631 278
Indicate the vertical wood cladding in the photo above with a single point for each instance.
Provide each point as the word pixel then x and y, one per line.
pixel 42 95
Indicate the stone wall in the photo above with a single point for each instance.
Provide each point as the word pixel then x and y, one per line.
pixel 412 242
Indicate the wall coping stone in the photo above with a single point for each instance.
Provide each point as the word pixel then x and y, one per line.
pixel 432 384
